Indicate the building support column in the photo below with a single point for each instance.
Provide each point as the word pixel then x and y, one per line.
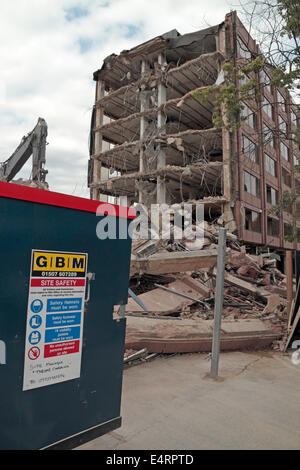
pixel 144 105
pixel 95 194
pixel 161 120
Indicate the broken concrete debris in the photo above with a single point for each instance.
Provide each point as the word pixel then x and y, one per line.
pixel 133 357
pixel 176 284
pixel 171 336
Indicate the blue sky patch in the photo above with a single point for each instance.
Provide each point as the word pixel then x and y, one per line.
pixel 85 44
pixel 73 13
pixel 132 30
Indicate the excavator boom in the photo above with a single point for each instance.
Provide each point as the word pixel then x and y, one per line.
pixel 33 144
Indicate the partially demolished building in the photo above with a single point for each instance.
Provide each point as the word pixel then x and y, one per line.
pixel 165 149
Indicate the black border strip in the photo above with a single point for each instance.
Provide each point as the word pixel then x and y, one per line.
pixel 78 439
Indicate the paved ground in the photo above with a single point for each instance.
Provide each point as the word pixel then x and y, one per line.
pixel 171 403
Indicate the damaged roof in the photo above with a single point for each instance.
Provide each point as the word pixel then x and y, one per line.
pixel 179 48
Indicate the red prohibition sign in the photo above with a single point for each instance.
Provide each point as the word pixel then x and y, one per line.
pixel 34 353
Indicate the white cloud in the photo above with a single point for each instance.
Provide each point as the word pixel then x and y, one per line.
pixel 49 50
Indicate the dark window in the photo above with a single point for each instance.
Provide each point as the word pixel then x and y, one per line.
pixel 268 136
pixel 243 50
pixel 272 195
pixel 251 184
pixel 293 118
pixel 252 221
pixel 267 107
pixel 280 100
pixel 284 151
pixel 272 227
pixel 297 186
pixel 249 149
pixel 282 125
pixel 288 232
pixel 248 116
pixel 270 165
pixel 286 178
pixel 265 80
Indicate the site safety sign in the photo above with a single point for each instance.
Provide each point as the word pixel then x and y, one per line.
pixel 55 315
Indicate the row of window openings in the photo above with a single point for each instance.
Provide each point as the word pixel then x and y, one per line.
pixel 250 149
pixel 280 100
pixel 253 224
pixel 249 117
pixel 265 80
pixel 268 108
pixel 271 168
pixel 244 53
pixel 252 186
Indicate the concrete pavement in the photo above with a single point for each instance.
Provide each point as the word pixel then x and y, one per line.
pixel 171 403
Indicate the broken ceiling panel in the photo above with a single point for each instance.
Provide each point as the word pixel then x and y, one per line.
pixel 180 181
pixel 182 148
pixel 119 70
pixel 186 113
pixel 197 73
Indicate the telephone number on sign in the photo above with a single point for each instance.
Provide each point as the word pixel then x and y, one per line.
pixel 58 274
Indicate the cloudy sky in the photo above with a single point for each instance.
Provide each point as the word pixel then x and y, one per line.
pixel 49 50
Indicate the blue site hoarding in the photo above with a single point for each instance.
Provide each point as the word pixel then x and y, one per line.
pixel 61 376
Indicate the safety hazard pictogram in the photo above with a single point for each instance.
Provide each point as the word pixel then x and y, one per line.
pixel 34 353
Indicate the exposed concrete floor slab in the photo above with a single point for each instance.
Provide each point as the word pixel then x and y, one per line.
pixel 171 403
pixel 187 335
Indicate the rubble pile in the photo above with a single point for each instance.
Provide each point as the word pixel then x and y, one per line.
pixel 254 287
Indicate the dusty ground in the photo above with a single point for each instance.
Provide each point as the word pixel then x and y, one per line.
pixel 171 403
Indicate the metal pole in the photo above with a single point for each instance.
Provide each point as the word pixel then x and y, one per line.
pixel 289 280
pixel 219 297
